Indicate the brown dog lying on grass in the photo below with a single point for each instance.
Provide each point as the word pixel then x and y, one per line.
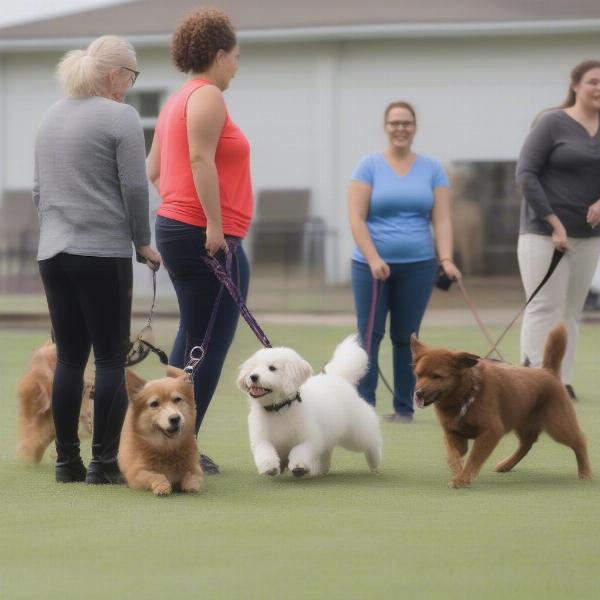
pixel 482 400
pixel 158 449
pixel 34 391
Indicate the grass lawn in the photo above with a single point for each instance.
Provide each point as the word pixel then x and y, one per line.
pixel 401 533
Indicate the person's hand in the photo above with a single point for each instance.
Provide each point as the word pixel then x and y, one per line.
pixel 151 256
pixel 593 214
pixel 379 269
pixel 451 270
pixel 215 240
pixel 559 238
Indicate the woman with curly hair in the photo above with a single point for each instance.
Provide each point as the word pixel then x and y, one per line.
pixel 200 164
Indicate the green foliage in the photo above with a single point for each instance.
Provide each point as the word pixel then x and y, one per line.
pixel 400 533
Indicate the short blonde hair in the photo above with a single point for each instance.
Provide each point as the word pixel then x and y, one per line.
pixel 81 72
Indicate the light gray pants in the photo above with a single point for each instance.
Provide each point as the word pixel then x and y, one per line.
pixel 563 296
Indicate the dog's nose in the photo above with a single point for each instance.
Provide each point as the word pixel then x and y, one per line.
pixel 174 420
pixel 254 378
pixel 419 393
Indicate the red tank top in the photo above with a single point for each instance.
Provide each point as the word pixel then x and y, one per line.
pixel 177 190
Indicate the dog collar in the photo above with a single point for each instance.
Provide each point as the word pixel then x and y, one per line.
pixel 469 401
pixel 280 405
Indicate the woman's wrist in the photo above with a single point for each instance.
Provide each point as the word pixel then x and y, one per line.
pixel 442 260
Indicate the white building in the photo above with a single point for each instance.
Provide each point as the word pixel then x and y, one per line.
pixel 315 77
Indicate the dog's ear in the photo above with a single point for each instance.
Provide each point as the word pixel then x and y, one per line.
pixel 465 360
pixel 416 347
pixel 175 372
pixel 242 373
pixel 134 382
pixel 297 372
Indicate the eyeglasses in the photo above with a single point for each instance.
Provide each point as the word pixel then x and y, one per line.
pixel 401 124
pixel 136 74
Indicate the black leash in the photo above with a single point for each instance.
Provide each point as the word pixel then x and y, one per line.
pixel 556 258
pixel 377 286
pixel 141 346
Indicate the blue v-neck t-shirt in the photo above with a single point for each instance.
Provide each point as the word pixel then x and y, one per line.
pixel 399 217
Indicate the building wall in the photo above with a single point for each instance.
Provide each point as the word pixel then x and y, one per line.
pixel 311 110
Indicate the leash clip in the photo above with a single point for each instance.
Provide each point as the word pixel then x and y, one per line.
pixel 197 354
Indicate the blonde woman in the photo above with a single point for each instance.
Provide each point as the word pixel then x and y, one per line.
pixel 91 194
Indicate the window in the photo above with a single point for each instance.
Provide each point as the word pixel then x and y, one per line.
pixel 147 103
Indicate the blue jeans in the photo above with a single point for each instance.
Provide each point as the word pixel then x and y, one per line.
pixel 404 295
pixel 182 248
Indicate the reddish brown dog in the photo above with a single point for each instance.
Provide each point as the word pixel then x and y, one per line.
pixel 158 449
pixel 483 400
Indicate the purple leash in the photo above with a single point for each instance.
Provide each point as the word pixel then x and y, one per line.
pixel 223 274
pixel 376 287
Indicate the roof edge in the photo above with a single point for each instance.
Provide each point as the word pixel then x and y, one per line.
pixel 339 33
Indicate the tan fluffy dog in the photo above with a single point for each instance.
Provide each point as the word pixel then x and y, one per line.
pixel 158 448
pixel 483 400
pixel 36 427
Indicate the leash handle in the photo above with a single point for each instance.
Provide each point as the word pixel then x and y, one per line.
pixel 556 258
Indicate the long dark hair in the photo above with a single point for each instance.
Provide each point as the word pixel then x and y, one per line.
pixel 576 76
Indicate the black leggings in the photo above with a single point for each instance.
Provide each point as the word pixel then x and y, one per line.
pixel 89 299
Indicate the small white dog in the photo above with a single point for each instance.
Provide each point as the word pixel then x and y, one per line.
pixel 297 418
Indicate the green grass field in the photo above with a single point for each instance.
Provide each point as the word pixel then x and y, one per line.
pixel 401 533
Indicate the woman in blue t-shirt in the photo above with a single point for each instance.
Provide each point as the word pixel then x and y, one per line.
pixel 394 198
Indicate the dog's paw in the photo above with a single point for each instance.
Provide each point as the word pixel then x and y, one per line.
pixel 504 466
pixel 458 483
pixel 271 472
pixel 162 488
pixel 586 476
pixel 269 467
pixel 299 470
pixel 191 484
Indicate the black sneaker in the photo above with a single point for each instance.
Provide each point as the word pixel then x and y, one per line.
pixel 104 473
pixel 209 466
pixel 571 391
pixel 71 471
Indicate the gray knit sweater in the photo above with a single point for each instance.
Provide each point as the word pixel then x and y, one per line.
pixel 90 185
pixel 559 173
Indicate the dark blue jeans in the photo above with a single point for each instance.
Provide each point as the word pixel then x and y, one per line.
pixel 182 248
pixel 404 295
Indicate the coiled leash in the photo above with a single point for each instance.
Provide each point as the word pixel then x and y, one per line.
pixel 223 274
pixel 144 342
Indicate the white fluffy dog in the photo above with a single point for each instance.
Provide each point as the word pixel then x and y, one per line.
pixel 297 418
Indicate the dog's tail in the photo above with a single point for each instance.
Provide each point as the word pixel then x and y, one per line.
pixel 554 349
pixel 350 361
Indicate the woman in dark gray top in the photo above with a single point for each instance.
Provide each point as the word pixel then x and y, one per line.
pixel 559 174
pixel 91 193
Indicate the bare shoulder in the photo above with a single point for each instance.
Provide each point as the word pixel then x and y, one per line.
pixel 205 98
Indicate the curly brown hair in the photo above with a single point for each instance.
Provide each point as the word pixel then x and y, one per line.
pixel 199 37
